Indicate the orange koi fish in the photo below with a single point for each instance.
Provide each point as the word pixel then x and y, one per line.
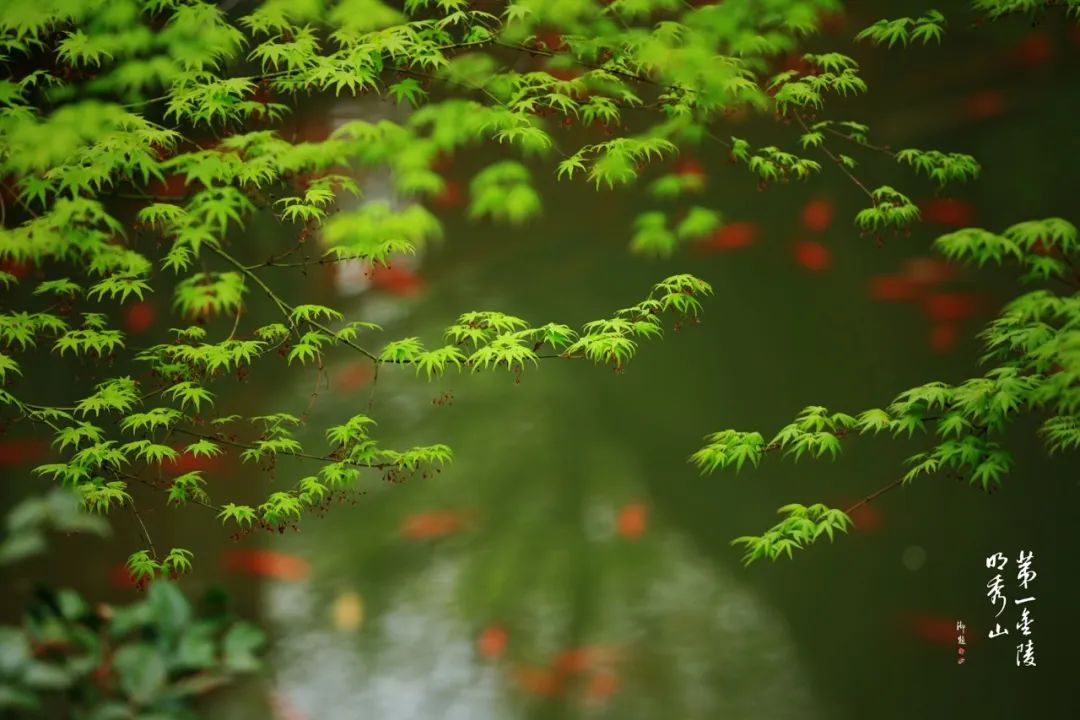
pixel 396 281
pixel 632 520
pixel 434 524
pixel 811 255
pixel 817 215
pixel 266 563
pixel 492 641
pixel 139 317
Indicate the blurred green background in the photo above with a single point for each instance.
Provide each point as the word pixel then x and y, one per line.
pixel 570 562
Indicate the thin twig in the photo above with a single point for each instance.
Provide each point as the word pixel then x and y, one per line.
pixel 835 159
pixel 159 488
pixel 145 532
pixel 306 456
pixel 861 143
pixel 284 307
pixel 874 495
pixel 236 322
pixel 374 385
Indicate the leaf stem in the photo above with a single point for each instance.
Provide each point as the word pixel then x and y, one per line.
pixel 874 495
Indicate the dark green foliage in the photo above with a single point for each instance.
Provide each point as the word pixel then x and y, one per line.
pixel 152 658
pixel 25 524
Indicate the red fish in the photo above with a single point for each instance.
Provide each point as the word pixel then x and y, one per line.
pixel 396 281
pixel 139 317
pixel 304 179
pixel 492 641
pixel 266 563
pixel 283 708
pixel 894 288
pixel 867 518
pixel 935 629
pixel 173 186
pixel 688 165
pixel 443 163
pixel 983 105
pixel 732 236
pixel 1040 248
pixel 950 307
pixel 186 462
pixel 943 337
pixel 553 41
pixel 18 269
pixel 796 61
pixel 582 659
pixel 811 255
pixel 8 185
pixel 261 94
pixel 1035 49
pixel 538 680
pixel 354 376
pixel 313 128
pixel 948 211
pixel 565 74
pixel 832 22
pixel 929 270
pixel 632 520
pixel 434 524
pixel 817 215
pixel 451 195
pixel 22 452
pixel 602 686
pixel 120 576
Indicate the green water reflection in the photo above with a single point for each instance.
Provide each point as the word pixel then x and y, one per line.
pixel 546 467
pixel 570 520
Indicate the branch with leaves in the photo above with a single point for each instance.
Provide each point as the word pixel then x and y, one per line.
pixel 102 105
pixel 1034 347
